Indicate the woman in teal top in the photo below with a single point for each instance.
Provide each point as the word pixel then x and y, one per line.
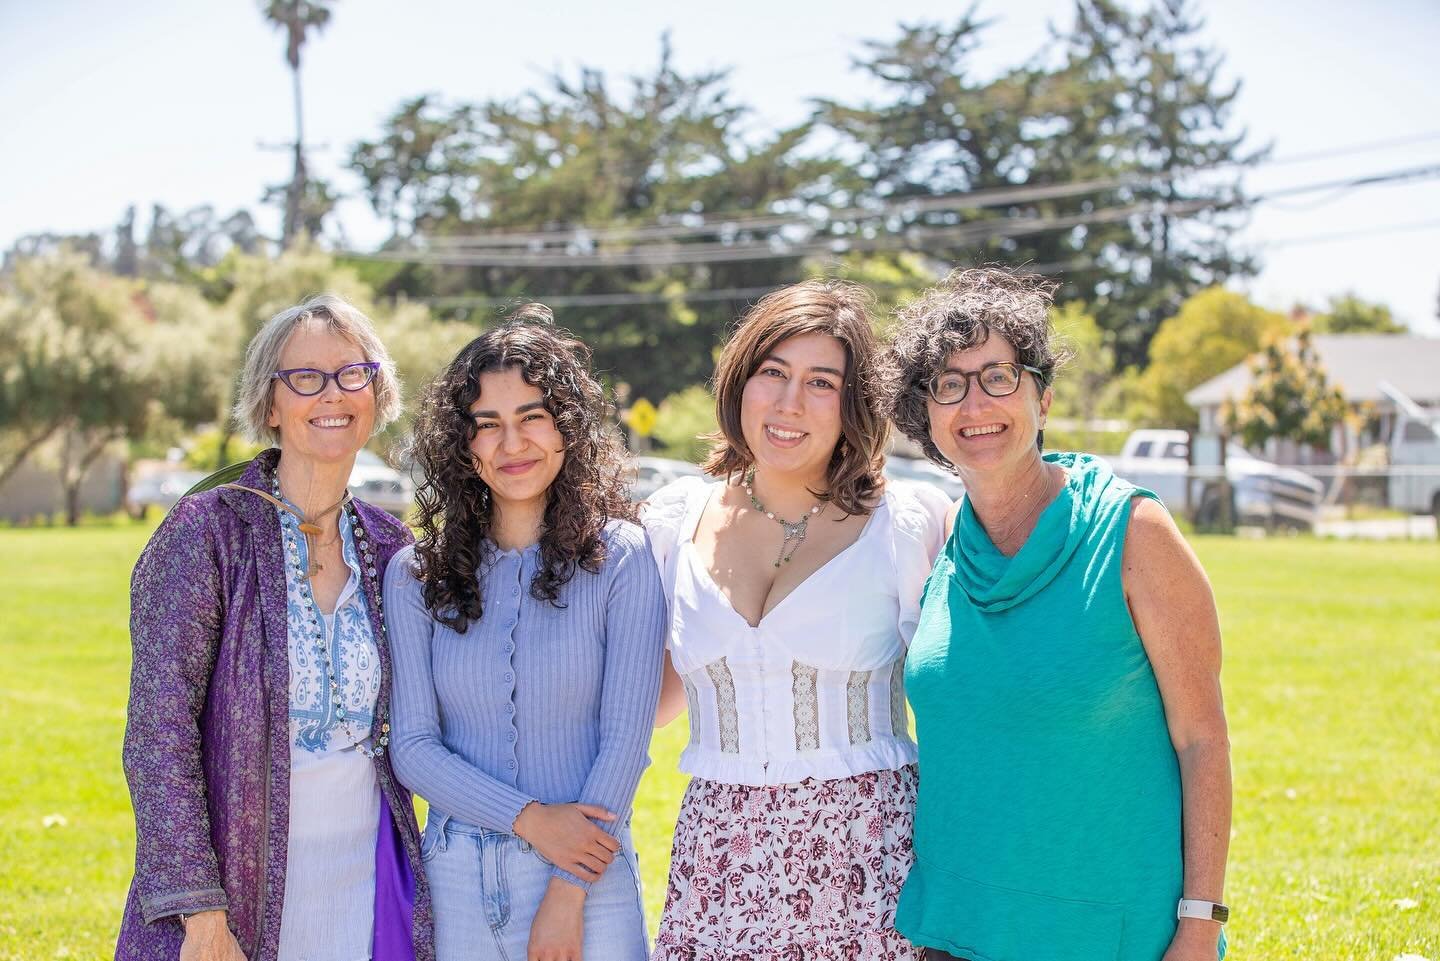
pixel 1074 767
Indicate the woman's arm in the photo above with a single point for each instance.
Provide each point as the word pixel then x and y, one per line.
pixel 662 515
pixel 1174 612
pixel 563 833
pixel 635 614
pixel 672 694
pixel 422 761
pixel 175 625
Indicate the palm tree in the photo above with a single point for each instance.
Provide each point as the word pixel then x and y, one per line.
pixel 298 19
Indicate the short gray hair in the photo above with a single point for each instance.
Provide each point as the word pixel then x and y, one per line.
pixel 256 390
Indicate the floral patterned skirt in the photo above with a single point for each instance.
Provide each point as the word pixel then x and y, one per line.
pixel 793 872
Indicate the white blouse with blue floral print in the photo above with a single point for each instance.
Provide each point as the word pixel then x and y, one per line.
pixel 334 797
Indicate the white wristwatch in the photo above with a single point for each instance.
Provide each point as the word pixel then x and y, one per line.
pixel 1205 910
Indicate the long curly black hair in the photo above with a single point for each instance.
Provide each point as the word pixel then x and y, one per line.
pixel 454 505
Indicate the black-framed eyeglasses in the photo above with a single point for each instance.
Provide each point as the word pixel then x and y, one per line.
pixel 998 379
pixel 307 381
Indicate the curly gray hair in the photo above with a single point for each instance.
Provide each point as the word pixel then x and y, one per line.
pixel 959 313
pixel 255 391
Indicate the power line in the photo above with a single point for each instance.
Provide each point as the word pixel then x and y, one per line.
pixel 633 299
pixel 915 236
pixel 639 298
pixel 692 224
pixel 1356 148
pixel 1352 234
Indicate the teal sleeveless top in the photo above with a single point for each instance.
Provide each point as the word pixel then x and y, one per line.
pixel 1048 821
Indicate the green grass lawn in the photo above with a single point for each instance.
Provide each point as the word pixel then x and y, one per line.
pixel 1332 679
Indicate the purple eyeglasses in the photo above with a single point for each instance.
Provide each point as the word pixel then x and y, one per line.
pixel 307 381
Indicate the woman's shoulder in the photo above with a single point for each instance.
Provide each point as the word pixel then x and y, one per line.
pixel 186 547
pixel 623 537
pixel 191 522
pixel 918 510
pixel 664 510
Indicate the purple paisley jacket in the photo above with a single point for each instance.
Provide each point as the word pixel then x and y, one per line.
pixel 207 751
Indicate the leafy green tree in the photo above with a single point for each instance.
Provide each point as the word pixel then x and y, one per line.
pixel 93 359
pixel 1175 112
pixel 421 346
pixel 1289 398
pixel 72 340
pixel 1214 330
pixel 893 279
pixel 182 246
pixel 684 422
pixel 938 129
pixel 1082 385
pixel 1128 102
pixel 181 333
pixel 1348 314
pixel 584 153
pixel 297 19
pixel 419 173
pixel 317 202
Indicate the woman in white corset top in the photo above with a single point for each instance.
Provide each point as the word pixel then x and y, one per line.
pixel 793 582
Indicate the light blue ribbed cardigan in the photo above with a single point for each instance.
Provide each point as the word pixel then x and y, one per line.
pixel 533 702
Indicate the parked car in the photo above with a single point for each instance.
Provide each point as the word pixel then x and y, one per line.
pixel 1261 494
pixel 1414 451
pixel 159 488
pixel 377 483
pixel 649 474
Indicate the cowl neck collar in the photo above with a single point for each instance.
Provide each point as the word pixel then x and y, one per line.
pixel 994 582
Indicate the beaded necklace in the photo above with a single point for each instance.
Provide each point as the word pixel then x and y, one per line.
pixel 318 638
pixel 791 530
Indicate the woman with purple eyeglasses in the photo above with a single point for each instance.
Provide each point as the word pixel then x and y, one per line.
pixel 269 825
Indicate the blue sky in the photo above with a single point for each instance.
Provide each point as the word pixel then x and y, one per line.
pixel 104 104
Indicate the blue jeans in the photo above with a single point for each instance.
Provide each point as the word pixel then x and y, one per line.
pixel 487 885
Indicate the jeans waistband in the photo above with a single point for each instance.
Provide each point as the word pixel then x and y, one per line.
pixel 445 825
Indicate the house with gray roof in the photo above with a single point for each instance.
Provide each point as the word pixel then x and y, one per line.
pixel 1357 364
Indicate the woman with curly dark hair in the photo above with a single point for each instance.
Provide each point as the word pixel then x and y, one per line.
pixel 527 624
pixel 1065 674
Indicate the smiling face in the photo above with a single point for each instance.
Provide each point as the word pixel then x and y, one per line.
pixel 517 449
pixel 334 424
pixel 790 408
pixel 984 433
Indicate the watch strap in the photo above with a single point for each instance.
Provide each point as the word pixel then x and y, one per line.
pixel 1205 910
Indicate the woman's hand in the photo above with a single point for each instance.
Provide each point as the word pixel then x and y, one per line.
pixel 558 931
pixel 1196 939
pixel 567 837
pixel 208 938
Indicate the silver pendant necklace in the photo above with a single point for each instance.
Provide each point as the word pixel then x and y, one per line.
pixel 794 531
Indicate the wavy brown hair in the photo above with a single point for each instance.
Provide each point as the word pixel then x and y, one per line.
pixel 454 505
pixel 836 308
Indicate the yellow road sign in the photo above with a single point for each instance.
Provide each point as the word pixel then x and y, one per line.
pixel 642 417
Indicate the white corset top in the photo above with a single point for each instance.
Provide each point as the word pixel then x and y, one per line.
pixel 816 689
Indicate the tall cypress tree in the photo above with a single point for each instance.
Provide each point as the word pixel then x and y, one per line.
pixel 1129 100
